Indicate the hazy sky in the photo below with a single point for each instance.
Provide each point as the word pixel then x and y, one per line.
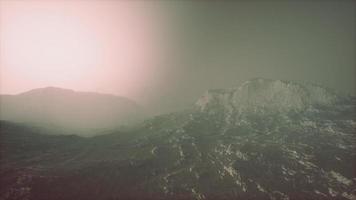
pixel 165 55
pixel 103 46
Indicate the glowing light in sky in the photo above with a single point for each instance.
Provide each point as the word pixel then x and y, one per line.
pixel 105 46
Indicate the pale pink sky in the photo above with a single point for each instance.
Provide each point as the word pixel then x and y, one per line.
pixel 103 46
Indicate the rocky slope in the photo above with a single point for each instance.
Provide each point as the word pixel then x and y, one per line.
pixel 265 94
pixel 263 140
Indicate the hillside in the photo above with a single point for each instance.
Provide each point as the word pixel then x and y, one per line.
pixel 221 149
pixel 63 111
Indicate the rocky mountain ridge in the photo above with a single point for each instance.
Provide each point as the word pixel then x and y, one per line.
pixel 266 94
pixel 217 151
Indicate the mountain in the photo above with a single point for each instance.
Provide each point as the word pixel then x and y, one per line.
pixel 266 94
pixel 64 111
pixel 249 142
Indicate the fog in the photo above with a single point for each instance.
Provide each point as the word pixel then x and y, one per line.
pixel 147 100
pixel 62 111
pixel 184 48
pixel 224 44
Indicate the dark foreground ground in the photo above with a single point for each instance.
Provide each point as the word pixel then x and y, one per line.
pixel 188 155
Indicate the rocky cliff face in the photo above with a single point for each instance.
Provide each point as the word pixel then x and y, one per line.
pixel 260 95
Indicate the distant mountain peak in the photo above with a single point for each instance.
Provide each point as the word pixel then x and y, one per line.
pixel 82 113
pixel 267 94
pixel 48 90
